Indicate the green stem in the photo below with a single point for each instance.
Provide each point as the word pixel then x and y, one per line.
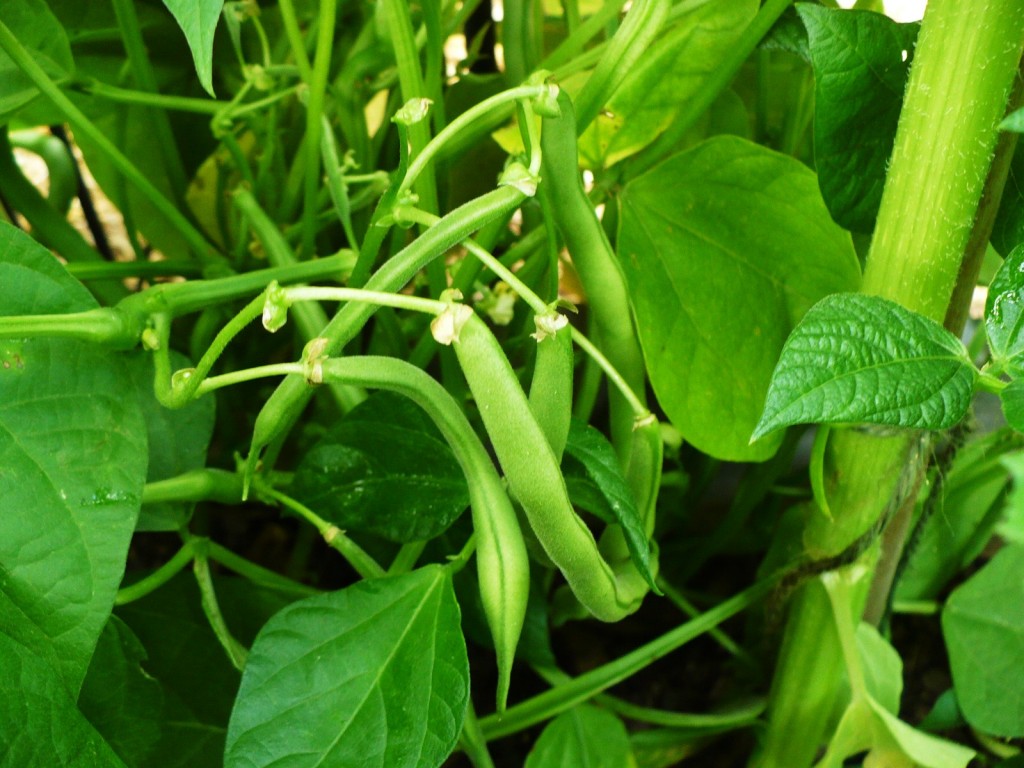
pixel 257 574
pixel 473 742
pixel 356 556
pixel 462 123
pixel 208 598
pixel 119 270
pixel 248 374
pixel 326 14
pixel 964 67
pixel 157 100
pixel 295 41
pixel 86 128
pixel 586 686
pixel 158 578
pixel 198 485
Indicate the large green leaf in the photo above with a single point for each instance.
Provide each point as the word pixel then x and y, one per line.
pixel 858 359
pixel 38 30
pixel 199 685
pixel 598 467
pixel 198 20
pixel 372 675
pixel 669 75
pixel 178 439
pixel 984 629
pixel 121 701
pixel 1008 228
pixel 1004 314
pixel 583 737
pixel 40 726
pixel 384 469
pixel 72 463
pixel 725 247
pixel 861 61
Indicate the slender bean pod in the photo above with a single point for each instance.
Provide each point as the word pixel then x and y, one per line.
pixel 596 263
pixel 502 563
pixel 551 387
pixel 534 477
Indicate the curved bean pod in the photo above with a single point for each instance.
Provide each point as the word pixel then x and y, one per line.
pixel 503 567
pixel 551 388
pixel 534 477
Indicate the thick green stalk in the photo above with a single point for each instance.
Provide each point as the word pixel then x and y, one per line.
pixel 965 63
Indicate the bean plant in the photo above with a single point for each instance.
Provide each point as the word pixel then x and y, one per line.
pixel 568 383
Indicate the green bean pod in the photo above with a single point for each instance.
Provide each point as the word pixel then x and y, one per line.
pixel 596 264
pixel 551 388
pixel 503 566
pixel 533 474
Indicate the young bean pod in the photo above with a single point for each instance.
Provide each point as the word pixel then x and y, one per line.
pixel 551 385
pixel 503 567
pixel 534 477
pixel 596 263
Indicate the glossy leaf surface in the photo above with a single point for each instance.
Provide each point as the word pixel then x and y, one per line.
pixel 715 296
pixel 583 737
pixel 858 359
pixel 385 469
pixel 372 675
pixel 861 60
pixel 70 476
pixel 984 630
pixel 595 456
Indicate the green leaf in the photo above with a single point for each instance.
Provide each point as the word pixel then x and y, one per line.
pixel 882 666
pixel 964 518
pixel 186 658
pixel 861 61
pixel 384 469
pixel 984 629
pixel 671 74
pixel 858 359
pixel 177 439
pixel 725 247
pixel 38 30
pixel 895 737
pixel 1011 527
pixel 72 464
pixel 121 701
pixel 596 456
pixel 1013 122
pixel 372 675
pixel 198 20
pixel 1004 314
pixel 1012 399
pixel 583 737
pixel 1008 228
pixel 39 722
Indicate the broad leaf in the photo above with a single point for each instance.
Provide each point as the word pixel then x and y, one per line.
pixel 858 359
pixel 121 701
pixel 1011 527
pixel 72 463
pixel 198 683
pixel 42 35
pixel 861 61
pixel 372 675
pixel 984 629
pixel 595 456
pixel 583 737
pixel 384 469
pixel 725 247
pixel 178 439
pixel 669 75
pixel 1004 314
pixel 39 722
pixel 198 20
